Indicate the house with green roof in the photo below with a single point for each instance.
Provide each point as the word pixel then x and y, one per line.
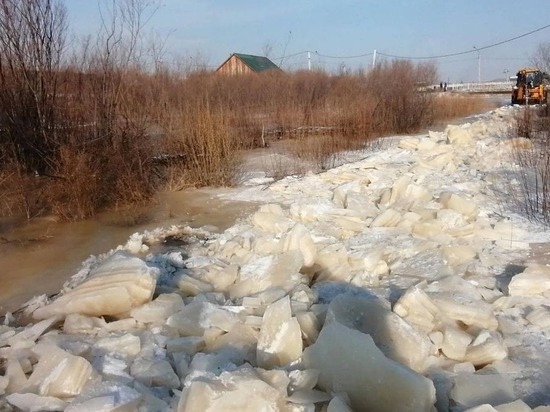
pixel 239 63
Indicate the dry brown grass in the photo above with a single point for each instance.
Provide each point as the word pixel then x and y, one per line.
pixel 74 170
pixel 453 106
pixel 206 151
pixel 103 131
pixel 126 133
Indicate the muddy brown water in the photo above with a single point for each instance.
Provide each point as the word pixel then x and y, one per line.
pixel 39 256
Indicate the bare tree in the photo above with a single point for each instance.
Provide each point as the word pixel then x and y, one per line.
pixel 32 40
pixel 113 55
pixel 114 65
pixel 267 49
pixel 541 58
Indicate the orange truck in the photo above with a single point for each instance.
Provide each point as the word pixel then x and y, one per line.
pixel 531 86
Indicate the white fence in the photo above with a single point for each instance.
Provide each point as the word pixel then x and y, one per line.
pixel 486 87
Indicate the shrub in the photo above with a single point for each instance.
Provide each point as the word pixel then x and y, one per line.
pixel 205 149
pixel 533 159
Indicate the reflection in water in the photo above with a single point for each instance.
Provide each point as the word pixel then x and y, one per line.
pixel 38 257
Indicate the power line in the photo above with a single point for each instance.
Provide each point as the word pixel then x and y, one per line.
pixel 441 56
pixel 291 55
pixel 466 51
pixel 343 57
pixel 324 55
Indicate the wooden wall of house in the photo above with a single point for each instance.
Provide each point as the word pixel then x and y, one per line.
pixel 234 66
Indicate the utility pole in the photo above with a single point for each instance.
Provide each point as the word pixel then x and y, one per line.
pixel 309 61
pixel 374 59
pixel 478 65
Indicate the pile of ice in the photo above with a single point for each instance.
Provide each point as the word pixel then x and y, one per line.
pixel 382 285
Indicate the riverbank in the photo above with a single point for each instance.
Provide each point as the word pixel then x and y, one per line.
pixel 420 233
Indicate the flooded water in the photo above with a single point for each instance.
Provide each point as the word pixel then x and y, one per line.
pixel 39 256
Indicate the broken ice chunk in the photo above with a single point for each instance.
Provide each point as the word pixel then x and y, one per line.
pixel 125 346
pixel 114 288
pixel 299 238
pixel 107 396
pixel 416 306
pixel 471 390
pixel 16 375
pixel 516 406
pixel 467 207
pixel 458 254
pixel 540 317
pixel 405 192
pixel 393 335
pixel 187 344
pixel 221 277
pixel 31 402
pixel 112 368
pixel 466 309
pixel 372 381
pixel 267 272
pixel 338 404
pixel 240 341
pixel 303 379
pixel 198 316
pixel 486 348
pixel 159 309
pixel 332 263
pixel 277 378
pixel 309 324
pixel 362 204
pixel 427 230
pixel 534 280
pixel 427 145
pixel 280 339
pixel 155 373
pixel 457 135
pixel 399 188
pixel 4 381
pixel 59 373
pixel 408 143
pixel 75 323
pixel 271 219
pixel 388 218
pixel 32 333
pixel 482 408
pixel 191 286
pixel 455 342
pixel 241 390
pixel 309 396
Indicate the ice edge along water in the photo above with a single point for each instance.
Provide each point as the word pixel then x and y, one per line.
pixel 393 282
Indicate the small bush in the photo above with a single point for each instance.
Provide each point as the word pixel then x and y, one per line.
pixel 399 107
pixel 533 159
pixel 74 169
pixel 206 149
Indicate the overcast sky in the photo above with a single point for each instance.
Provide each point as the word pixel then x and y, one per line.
pixel 213 29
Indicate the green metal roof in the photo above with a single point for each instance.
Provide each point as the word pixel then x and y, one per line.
pixel 256 63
